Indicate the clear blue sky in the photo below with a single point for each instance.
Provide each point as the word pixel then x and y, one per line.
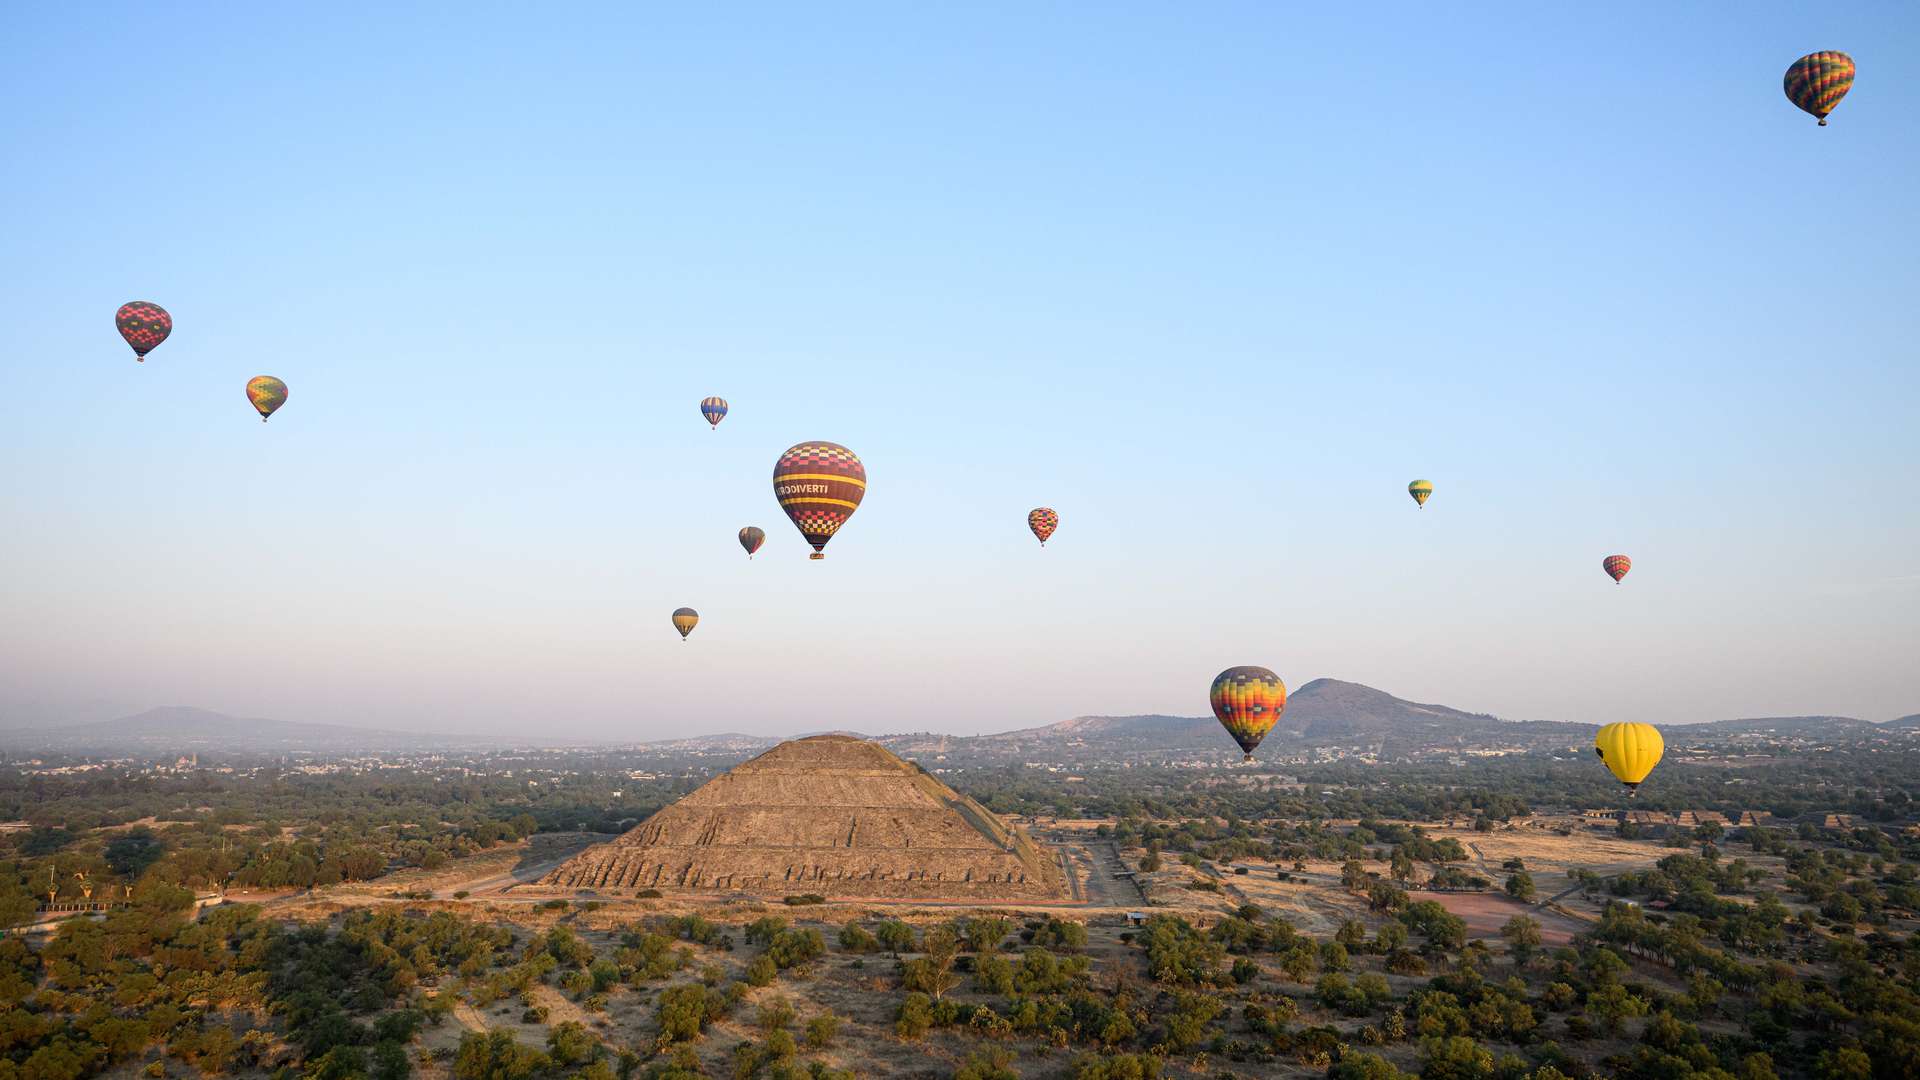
pixel 1214 282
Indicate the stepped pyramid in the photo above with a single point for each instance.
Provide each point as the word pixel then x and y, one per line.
pixel 829 814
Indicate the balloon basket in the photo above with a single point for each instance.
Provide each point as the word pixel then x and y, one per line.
pixel 818 555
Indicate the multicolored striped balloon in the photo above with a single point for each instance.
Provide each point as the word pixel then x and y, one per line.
pixel 1817 81
pixel 144 324
pixel 819 485
pixel 1042 520
pixel 1421 490
pixel 751 538
pixel 714 409
pixel 1247 701
pixel 267 394
pixel 1616 566
pixel 684 620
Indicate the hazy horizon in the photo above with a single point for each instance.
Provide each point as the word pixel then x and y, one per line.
pixel 1215 309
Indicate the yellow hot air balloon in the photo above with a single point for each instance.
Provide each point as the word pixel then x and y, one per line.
pixel 684 620
pixel 1421 490
pixel 1630 751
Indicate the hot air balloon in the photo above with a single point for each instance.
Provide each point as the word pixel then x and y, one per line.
pixel 1616 566
pixel 1247 701
pixel 714 409
pixel 819 485
pixel 1630 752
pixel 751 538
pixel 144 324
pixel 1817 81
pixel 1042 520
pixel 684 620
pixel 1421 490
pixel 267 394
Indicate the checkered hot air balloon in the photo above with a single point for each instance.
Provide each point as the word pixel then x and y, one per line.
pixel 144 324
pixel 267 394
pixel 1616 566
pixel 1247 701
pixel 1817 81
pixel 1042 520
pixel 751 538
pixel 819 485
pixel 714 409
pixel 684 620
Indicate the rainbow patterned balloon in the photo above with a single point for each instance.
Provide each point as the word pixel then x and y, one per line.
pixel 267 394
pixel 714 409
pixel 1247 701
pixel 1616 566
pixel 1042 520
pixel 144 324
pixel 819 485
pixel 1817 81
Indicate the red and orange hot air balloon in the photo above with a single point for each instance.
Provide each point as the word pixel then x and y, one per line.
pixel 1247 701
pixel 1042 520
pixel 751 538
pixel 819 485
pixel 1616 566
pixel 144 324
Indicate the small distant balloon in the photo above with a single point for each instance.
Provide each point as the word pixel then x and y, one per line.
pixel 1616 566
pixel 1042 520
pixel 751 538
pixel 1817 81
pixel 1247 701
pixel 144 324
pixel 1629 751
pixel 1421 490
pixel 819 485
pixel 714 409
pixel 684 620
pixel 267 394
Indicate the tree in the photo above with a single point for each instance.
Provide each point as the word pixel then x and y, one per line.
pixel 1454 1058
pixel 985 933
pixel 132 852
pixel 991 1063
pixel 1366 1067
pixel 1522 935
pixel 821 1030
pixel 854 938
pixel 1520 886
pixel 1612 1004
pixel 896 936
pixel 495 1055
pixel 570 1043
pixel 1843 1063
pixel 915 1016
pixel 1400 867
pixel 1353 876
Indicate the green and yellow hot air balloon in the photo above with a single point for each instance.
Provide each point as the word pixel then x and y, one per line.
pixel 1630 751
pixel 1421 490
pixel 266 394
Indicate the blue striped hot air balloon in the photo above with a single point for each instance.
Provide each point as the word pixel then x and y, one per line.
pixel 714 409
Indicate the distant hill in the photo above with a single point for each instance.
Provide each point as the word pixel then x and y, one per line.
pixel 1330 707
pixel 182 729
pixel 1905 723
pixel 1800 726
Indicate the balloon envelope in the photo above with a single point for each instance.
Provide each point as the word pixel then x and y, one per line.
pixel 1247 701
pixel 1630 751
pixel 751 538
pixel 819 485
pixel 267 394
pixel 144 324
pixel 1421 490
pixel 1042 520
pixel 1817 81
pixel 714 409
pixel 684 620
pixel 1616 566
